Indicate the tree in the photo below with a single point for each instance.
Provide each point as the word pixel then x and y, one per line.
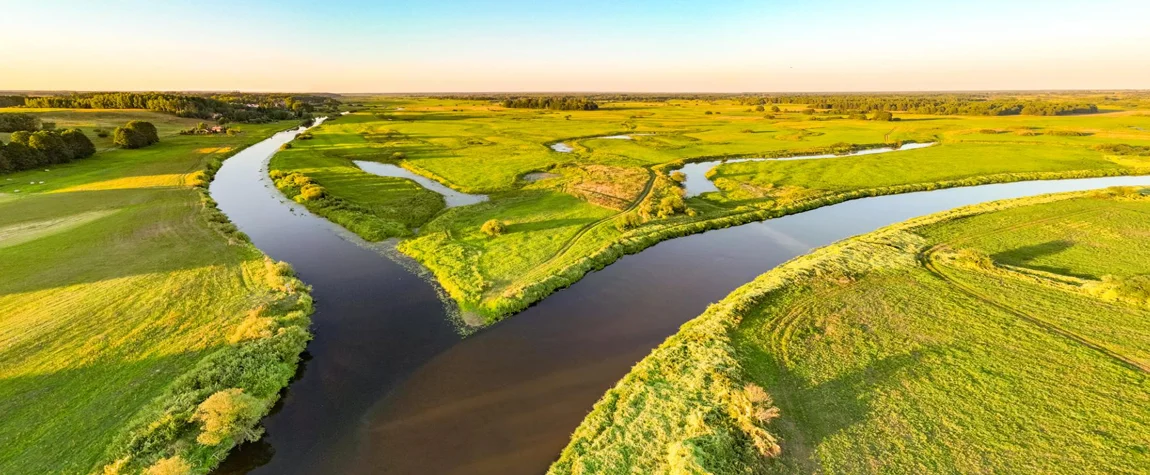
pixel 228 414
pixel 51 145
pixel 775 109
pixel 493 227
pixel 678 176
pixel 80 144
pixel 760 108
pixel 146 129
pixel 19 122
pixel 5 163
pixel 129 138
pixel 22 157
pixel 883 116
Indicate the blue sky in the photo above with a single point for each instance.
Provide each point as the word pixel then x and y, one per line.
pixel 424 46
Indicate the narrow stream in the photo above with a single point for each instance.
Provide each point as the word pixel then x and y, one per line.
pixel 452 197
pixel 390 388
pixel 698 183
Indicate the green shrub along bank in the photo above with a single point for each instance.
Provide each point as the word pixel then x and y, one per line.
pixel 304 190
pixel 218 404
pixel 32 150
pixel 838 403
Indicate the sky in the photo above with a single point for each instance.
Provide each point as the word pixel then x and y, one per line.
pixel 574 46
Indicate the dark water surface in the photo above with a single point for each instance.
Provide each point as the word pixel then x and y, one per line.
pixel 391 388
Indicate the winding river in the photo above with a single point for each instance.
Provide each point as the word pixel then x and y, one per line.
pixel 389 386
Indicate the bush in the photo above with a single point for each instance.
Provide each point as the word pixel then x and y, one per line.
pixel 169 466
pixel 101 133
pixel 128 138
pixel 678 176
pixel 286 146
pixel 883 116
pixel 228 414
pixel 19 122
pixel 52 146
pixel 151 135
pixel 311 192
pixel 493 227
pixel 775 109
pixel 760 108
pixel 81 145
pixel 398 156
pixel 628 221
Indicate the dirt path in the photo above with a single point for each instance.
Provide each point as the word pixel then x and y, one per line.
pixel 927 260
pixel 571 242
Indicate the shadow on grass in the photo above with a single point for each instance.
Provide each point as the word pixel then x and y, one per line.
pixel 1023 256
pixel 813 412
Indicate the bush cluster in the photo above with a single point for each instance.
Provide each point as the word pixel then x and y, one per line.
pixel 29 150
pixel 136 134
pixel 19 122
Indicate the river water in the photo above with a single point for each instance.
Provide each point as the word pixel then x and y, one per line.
pixel 389 387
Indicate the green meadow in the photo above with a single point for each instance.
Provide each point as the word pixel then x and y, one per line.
pixel 1010 337
pixel 609 197
pixel 122 284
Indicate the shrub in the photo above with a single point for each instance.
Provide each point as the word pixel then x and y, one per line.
pixel 228 414
pixel 129 138
pixel 311 192
pixel 628 221
pixel 493 227
pixel 169 466
pixel 151 135
pixel 286 146
pixel 775 109
pixel 101 133
pixel 708 113
pixel 883 116
pixel 398 156
pixel 80 144
pixel 678 176
pixel 19 122
pixel 1068 133
pixel 760 108
pixel 52 146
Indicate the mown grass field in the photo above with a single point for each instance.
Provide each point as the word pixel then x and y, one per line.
pixel 114 285
pixel 481 147
pixel 1010 337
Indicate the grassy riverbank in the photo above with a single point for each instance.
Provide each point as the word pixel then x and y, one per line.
pixel 613 196
pixel 128 300
pixel 1010 337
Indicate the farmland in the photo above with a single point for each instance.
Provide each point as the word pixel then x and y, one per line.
pixel 1009 337
pixel 128 300
pixel 614 195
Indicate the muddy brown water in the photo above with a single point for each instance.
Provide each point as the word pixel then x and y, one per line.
pixel 388 386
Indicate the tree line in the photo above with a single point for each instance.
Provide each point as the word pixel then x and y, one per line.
pixel 938 104
pixel 233 107
pixel 563 103
pixel 29 150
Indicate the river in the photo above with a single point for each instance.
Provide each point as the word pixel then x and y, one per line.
pixel 389 386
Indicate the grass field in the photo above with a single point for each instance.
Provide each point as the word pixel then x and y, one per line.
pixel 1010 337
pixel 480 147
pixel 115 284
